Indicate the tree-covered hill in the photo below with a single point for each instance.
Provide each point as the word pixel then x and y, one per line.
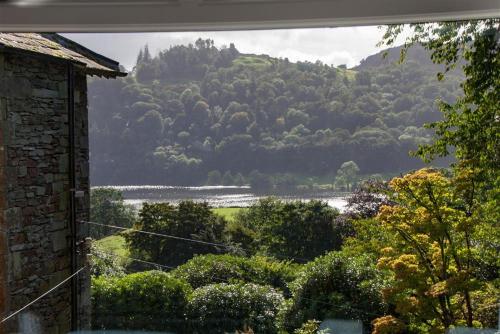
pixel 194 109
pixel 391 56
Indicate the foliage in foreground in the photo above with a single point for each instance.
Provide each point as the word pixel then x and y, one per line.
pixel 150 300
pixel 155 300
pixel 222 308
pixel 208 269
pixel 335 286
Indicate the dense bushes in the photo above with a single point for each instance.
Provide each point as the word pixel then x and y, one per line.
pixel 334 286
pixel 149 300
pixel 156 300
pixel 159 301
pixel 208 269
pixel 221 308
pixel 235 292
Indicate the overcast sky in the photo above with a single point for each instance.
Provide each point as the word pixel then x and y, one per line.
pixel 333 46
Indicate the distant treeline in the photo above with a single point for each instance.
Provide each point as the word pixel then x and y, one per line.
pixel 195 109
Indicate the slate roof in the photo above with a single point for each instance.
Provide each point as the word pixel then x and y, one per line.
pixel 57 46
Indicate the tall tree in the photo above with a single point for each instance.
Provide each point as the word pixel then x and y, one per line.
pixel 187 220
pixel 140 57
pixel 107 207
pixel 146 56
pixel 435 255
pixel 347 174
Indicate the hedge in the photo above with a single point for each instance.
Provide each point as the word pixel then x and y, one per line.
pixel 222 308
pixel 334 286
pixel 151 300
pixel 208 269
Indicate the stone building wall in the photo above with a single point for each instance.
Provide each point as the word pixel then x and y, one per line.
pixel 35 251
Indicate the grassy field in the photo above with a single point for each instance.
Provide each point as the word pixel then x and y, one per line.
pixel 257 63
pixel 113 244
pixel 228 213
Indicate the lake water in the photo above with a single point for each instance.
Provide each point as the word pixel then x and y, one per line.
pixel 220 196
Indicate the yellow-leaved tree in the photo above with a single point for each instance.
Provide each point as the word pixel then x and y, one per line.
pixel 440 260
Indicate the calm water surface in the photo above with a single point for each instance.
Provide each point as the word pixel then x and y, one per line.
pixel 221 196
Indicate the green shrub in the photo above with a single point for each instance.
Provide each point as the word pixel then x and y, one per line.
pixel 310 327
pixel 297 230
pixel 151 300
pixel 241 237
pixel 103 263
pixel 208 269
pixel 334 286
pixel 221 308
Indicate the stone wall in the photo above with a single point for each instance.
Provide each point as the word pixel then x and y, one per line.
pixel 35 251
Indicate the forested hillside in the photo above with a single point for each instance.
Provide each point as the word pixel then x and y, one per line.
pixel 194 109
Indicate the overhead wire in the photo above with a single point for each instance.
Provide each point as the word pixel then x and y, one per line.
pixel 43 295
pixel 169 236
pixel 130 229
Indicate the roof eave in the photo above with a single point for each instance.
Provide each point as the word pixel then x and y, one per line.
pixel 81 66
pixel 105 74
pixel 113 65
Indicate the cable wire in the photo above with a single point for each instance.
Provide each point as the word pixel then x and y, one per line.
pixel 152 263
pixel 131 229
pixel 43 295
pixel 141 261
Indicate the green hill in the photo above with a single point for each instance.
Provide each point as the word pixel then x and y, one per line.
pixel 196 108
